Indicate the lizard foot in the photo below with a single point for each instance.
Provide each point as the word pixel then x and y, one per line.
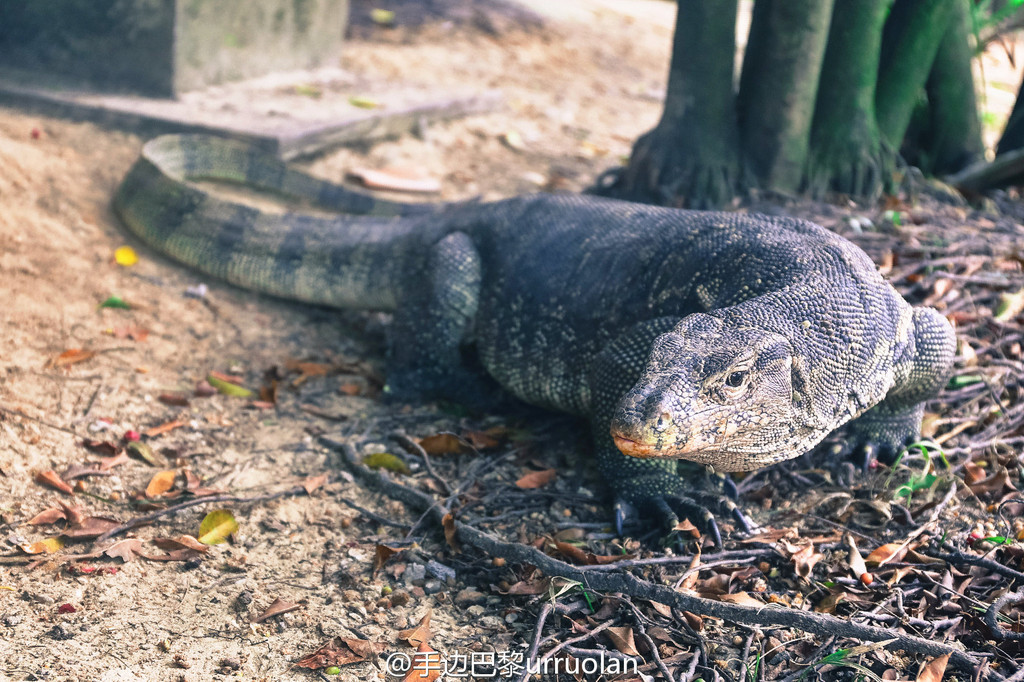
pixel 663 496
pixel 880 440
pixel 883 432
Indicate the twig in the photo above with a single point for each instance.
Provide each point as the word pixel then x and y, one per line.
pixel 152 516
pixel 933 625
pixel 639 620
pixel 383 520
pixel 1017 676
pixel 816 656
pixel 535 644
pixel 580 638
pixel 626 583
pixel 741 556
pixel 412 446
pixel 43 422
pixel 956 556
pixel 992 617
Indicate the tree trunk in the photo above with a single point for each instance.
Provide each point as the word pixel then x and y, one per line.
pixel 847 153
pixel 1013 133
pixel 910 40
pixel 954 140
pixel 781 69
pixel 691 157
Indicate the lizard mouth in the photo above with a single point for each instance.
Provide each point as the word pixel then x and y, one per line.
pixel 635 449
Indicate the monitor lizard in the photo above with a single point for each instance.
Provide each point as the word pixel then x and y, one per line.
pixel 731 340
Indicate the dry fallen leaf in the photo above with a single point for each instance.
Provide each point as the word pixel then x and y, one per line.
pixel 50 478
pixel 998 481
pixel 426 665
pixel 893 551
pixel 181 542
pixel 691 579
pixel 47 546
pixel 161 483
pixel 173 398
pixel 101 447
pixel 803 556
pixel 47 517
pixel 125 550
pixel 934 670
pixel 340 651
pixel 164 428
pixel 72 356
pixel 312 483
pixel 584 558
pixel 90 528
pixel 622 640
pixel 108 463
pixel 420 634
pixel 685 526
pixel 396 180
pixel 216 527
pixel 450 532
pixel 278 607
pixel 444 444
pixel 858 566
pixel 572 553
pixel 382 554
pixel 181 554
pixel 829 603
pixel 536 479
pixel 973 473
pixel 741 598
pixel 1010 306
pixel 308 370
pixel 484 440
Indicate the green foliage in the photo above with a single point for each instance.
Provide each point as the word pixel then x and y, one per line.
pixel 982 16
pixel 965 380
pixel 839 658
pixel 754 671
pixel 925 479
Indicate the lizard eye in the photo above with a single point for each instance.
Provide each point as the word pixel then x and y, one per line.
pixel 736 379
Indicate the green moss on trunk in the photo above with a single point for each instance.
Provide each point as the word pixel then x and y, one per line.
pixel 954 140
pixel 781 68
pixel 691 157
pixel 909 42
pixel 847 153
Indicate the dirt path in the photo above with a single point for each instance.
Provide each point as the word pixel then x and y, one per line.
pixel 577 96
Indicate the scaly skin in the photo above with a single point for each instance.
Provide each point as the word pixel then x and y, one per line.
pixel 735 341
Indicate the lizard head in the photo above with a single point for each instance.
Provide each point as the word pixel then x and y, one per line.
pixel 717 394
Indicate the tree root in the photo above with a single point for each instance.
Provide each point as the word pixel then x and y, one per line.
pixel 860 170
pixel 636 588
pixel 666 171
pixel 992 617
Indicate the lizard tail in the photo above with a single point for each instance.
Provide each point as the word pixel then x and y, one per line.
pixel 351 260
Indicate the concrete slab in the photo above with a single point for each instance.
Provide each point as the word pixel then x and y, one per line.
pixel 162 48
pixel 290 114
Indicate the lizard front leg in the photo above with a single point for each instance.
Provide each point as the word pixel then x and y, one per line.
pixel 651 486
pixel 433 325
pixel 921 371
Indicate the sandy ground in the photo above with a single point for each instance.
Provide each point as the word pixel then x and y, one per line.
pixel 577 95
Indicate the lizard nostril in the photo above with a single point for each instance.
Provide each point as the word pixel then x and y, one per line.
pixel 664 419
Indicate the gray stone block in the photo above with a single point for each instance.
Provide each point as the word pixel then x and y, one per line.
pixel 166 47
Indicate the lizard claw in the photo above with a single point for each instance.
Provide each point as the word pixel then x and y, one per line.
pixel 668 506
pixel 624 513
